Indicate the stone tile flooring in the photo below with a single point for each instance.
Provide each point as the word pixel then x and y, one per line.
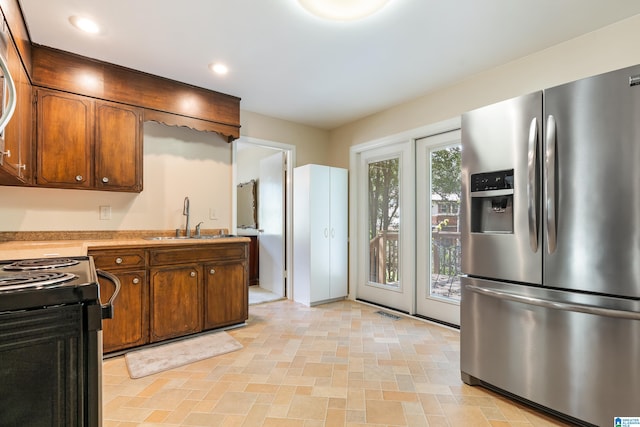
pixel 337 364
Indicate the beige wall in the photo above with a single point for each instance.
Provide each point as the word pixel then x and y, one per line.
pixel 312 144
pixel 178 162
pixel 607 49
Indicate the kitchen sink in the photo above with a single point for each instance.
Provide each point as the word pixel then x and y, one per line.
pixel 167 238
pixel 201 237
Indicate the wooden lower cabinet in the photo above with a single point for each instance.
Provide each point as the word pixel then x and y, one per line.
pixel 171 291
pixel 130 324
pixel 225 298
pixel 175 301
pixel 254 261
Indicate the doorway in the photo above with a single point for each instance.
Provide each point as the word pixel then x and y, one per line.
pixel 270 165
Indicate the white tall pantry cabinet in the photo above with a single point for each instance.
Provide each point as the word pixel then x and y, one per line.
pixel 320 212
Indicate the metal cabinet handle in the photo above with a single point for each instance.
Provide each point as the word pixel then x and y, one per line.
pixel 550 178
pixel 192 274
pixel 136 280
pixel 79 178
pixel 118 260
pixel 326 232
pixel 532 185
pixel 105 179
pixel 212 271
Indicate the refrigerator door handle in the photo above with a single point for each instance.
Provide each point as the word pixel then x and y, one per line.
pixel 550 179
pixel 532 189
pixel 541 302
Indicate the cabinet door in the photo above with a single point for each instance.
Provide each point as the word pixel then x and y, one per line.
pixel 64 139
pixel 320 233
pixel 25 121
pixel 254 261
pixel 226 294
pixel 339 233
pixel 17 162
pixel 130 324
pixel 175 296
pixel 118 147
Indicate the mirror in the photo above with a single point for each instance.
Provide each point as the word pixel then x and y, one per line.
pixel 248 204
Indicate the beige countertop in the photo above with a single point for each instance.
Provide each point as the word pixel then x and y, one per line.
pixel 22 249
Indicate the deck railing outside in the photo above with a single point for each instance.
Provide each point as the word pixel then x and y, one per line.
pixel 445 263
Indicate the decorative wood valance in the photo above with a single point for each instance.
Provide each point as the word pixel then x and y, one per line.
pixel 164 100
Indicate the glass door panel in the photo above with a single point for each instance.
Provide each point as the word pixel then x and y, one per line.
pixel 438 249
pixel 384 222
pixel 386 233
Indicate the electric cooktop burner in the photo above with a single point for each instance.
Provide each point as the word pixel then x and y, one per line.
pixel 37 279
pixel 40 264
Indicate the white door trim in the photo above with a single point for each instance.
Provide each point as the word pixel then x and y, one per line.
pixel 290 157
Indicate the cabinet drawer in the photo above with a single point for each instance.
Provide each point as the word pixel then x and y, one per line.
pixel 110 260
pixel 220 251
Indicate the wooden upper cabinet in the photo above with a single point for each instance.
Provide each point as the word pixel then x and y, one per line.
pixel 64 139
pixel 118 147
pixel 17 164
pixel 85 143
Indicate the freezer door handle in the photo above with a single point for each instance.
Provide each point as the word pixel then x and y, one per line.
pixel 550 179
pixel 532 189
pixel 541 302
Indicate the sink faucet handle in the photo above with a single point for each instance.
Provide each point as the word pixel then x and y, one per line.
pixel 198 228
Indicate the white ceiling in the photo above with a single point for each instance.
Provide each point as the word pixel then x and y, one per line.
pixel 287 64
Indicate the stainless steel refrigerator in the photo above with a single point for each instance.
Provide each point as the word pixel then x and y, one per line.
pixel 550 309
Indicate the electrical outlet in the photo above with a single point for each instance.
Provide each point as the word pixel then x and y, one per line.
pixel 105 212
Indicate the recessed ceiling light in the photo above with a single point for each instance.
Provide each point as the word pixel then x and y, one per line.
pixel 84 24
pixel 219 68
pixel 343 10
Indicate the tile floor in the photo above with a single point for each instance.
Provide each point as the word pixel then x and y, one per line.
pixel 338 364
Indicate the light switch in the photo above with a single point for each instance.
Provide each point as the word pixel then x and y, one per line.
pixel 212 213
pixel 105 212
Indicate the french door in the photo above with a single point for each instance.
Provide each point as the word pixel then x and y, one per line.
pixel 408 241
pixel 386 226
pixel 438 191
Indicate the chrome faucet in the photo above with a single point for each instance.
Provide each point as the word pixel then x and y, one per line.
pixel 198 228
pixel 185 212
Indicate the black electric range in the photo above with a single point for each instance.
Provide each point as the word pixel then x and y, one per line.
pixel 51 341
pixel 40 282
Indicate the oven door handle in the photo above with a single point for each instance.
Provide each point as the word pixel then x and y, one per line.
pixel 107 309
